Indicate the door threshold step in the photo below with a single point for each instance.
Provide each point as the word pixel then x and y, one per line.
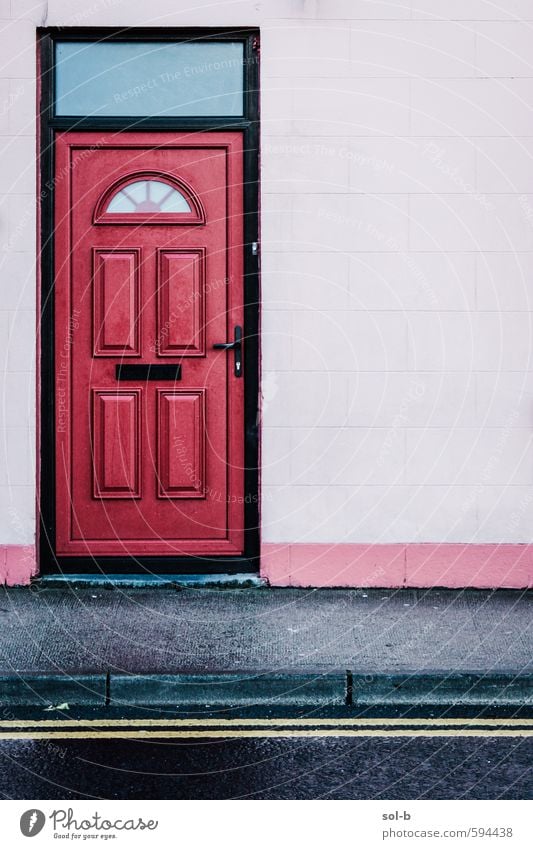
pixel 238 581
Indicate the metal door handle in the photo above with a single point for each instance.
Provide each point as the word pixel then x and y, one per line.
pixel 236 347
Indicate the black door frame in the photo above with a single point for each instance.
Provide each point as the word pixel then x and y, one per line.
pixel 49 562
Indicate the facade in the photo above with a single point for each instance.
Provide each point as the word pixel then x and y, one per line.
pixel 379 433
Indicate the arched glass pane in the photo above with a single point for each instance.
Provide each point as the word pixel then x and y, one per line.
pixel 137 191
pixel 151 196
pixel 121 203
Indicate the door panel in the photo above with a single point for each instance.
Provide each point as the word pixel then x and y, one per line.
pixel 116 314
pixel 181 292
pixel 116 444
pixel 182 444
pixel 148 466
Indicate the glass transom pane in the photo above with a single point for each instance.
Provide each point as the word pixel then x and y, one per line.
pixel 148 196
pixel 149 78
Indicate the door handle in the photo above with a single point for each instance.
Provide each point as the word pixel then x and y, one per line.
pixel 236 347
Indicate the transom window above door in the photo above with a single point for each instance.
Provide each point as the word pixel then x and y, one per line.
pixel 126 78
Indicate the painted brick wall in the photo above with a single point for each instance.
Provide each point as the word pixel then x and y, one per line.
pixel 17 292
pixel 397 259
pixel 397 180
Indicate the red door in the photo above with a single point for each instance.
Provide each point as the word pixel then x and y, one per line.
pixel 148 278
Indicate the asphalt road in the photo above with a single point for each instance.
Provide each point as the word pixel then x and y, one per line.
pixel 328 767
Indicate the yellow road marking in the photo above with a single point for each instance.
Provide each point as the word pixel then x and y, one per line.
pixel 261 733
pixel 273 722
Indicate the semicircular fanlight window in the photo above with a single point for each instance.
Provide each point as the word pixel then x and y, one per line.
pixel 148 196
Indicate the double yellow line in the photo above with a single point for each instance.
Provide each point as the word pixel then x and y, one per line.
pixel 164 729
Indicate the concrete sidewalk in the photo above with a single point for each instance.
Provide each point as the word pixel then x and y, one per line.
pixel 176 646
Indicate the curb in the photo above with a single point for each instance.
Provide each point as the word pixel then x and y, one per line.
pixel 443 688
pixel 52 690
pixel 512 689
pixel 230 690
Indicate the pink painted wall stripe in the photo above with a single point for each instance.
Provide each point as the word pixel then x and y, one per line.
pixel 357 565
pixel 399 565
pixel 18 564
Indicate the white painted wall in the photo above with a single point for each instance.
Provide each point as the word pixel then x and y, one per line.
pixel 397 231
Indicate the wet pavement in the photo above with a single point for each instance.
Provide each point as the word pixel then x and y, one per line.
pixel 76 630
pixel 271 768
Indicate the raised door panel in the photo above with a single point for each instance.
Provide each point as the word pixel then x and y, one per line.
pixel 116 444
pixel 181 298
pixel 116 299
pixel 181 443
